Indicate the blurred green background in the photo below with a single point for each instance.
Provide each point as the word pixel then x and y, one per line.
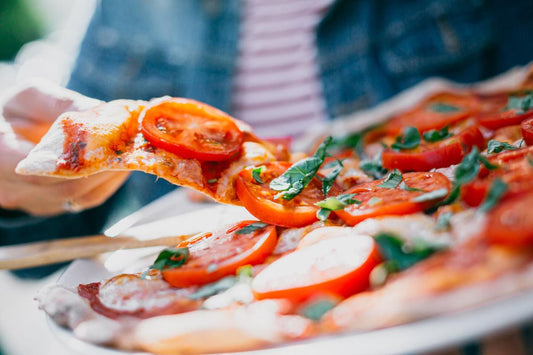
pixel 19 23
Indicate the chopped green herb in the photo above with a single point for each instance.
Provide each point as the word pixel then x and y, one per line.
pixel 245 273
pixel 401 254
pixel 250 228
pixel 373 167
pixel 256 173
pixel 212 181
pixel 380 273
pixel 469 167
pixel 404 186
pixel 323 214
pixel 409 140
pixel 497 190
pixel 334 203
pixel 530 160
pixel 437 135
pixel 452 197
pixel 497 147
pixel 214 288
pixel 171 258
pixel 393 180
pixel 432 195
pixel 442 107
pixel 374 201
pixel 520 103
pixel 329 179
pixel 300 174
pixel 443 221
pixel 317 309
pixel 118 152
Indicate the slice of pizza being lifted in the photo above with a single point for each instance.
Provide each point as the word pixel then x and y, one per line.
pixel 183 141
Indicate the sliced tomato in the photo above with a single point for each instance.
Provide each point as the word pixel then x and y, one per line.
pixel 527 131
pixel 437 112
pixel 191 130
pixel 380 201
pixel 511 222
pixel 514 168
pixel 429 156
pixel 260 200
pixel 338 266
pixel 494 113
pixel 215 255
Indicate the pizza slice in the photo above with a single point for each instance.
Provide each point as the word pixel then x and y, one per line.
pixel 183 141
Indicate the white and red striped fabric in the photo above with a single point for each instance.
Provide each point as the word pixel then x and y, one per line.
pixel 277 89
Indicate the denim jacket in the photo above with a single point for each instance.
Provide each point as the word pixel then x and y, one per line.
pixel 368 50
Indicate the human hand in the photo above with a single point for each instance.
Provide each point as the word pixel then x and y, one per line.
pixel 26 113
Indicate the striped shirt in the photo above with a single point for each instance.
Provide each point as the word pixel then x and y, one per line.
pixel 277 88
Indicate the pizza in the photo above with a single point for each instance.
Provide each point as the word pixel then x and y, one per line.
pixel 421 215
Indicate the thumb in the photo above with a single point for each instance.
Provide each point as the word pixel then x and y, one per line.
pixel 44 101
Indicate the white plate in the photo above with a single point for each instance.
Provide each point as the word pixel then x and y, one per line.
pixel 422 336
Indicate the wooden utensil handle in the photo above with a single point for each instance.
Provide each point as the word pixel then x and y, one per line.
pixel 54 251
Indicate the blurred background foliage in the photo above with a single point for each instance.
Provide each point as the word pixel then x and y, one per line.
pixel 19 24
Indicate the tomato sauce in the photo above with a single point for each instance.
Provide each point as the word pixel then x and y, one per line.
pixel 73 148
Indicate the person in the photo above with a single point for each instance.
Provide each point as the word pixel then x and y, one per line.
pixel 243 57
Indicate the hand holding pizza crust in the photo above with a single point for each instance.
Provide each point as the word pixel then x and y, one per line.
pixel 26 114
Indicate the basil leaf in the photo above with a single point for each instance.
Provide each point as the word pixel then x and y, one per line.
pixel 256 174
pixel 469 167
pixel 353 141
pixel 335 203
pixel 530 160
pixel 374 201
pixel 486 163
pixel 300 174
pixel 437 135
pixel 393 180
pixel 317 309
pixel 214 288
pixel 432 195
pixel 496 191
pixel 171 258
pixel 245 273
pixel 452 197
pixel 323 214
pixel 495 146
pixel 443 221
pixel 520 103
pixel 329 179
pixel 404 186
pixel 250 228
pixel 443 108
pixel 380 273
pixel 373 167
pixel 409 140
pixel 394 249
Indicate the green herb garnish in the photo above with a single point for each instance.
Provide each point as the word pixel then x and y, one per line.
pixel 373 167
pixel 251 228
pixel 374 201
pixel 171 258
pixel 469 167
pixel 393 180
pixel 334 203
pixel 443 221
pixel 404 186
pixel 214 288
pixel 437 135
pixel 401 254
pixel 409 140
pixel 317 309
pixel 212 181
pixel 432 195
pixel 329 179
pixel 443 108
pixel 495 146
pixel 300 174
pixel 520 103
pixel 256 174
pixel 496 191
